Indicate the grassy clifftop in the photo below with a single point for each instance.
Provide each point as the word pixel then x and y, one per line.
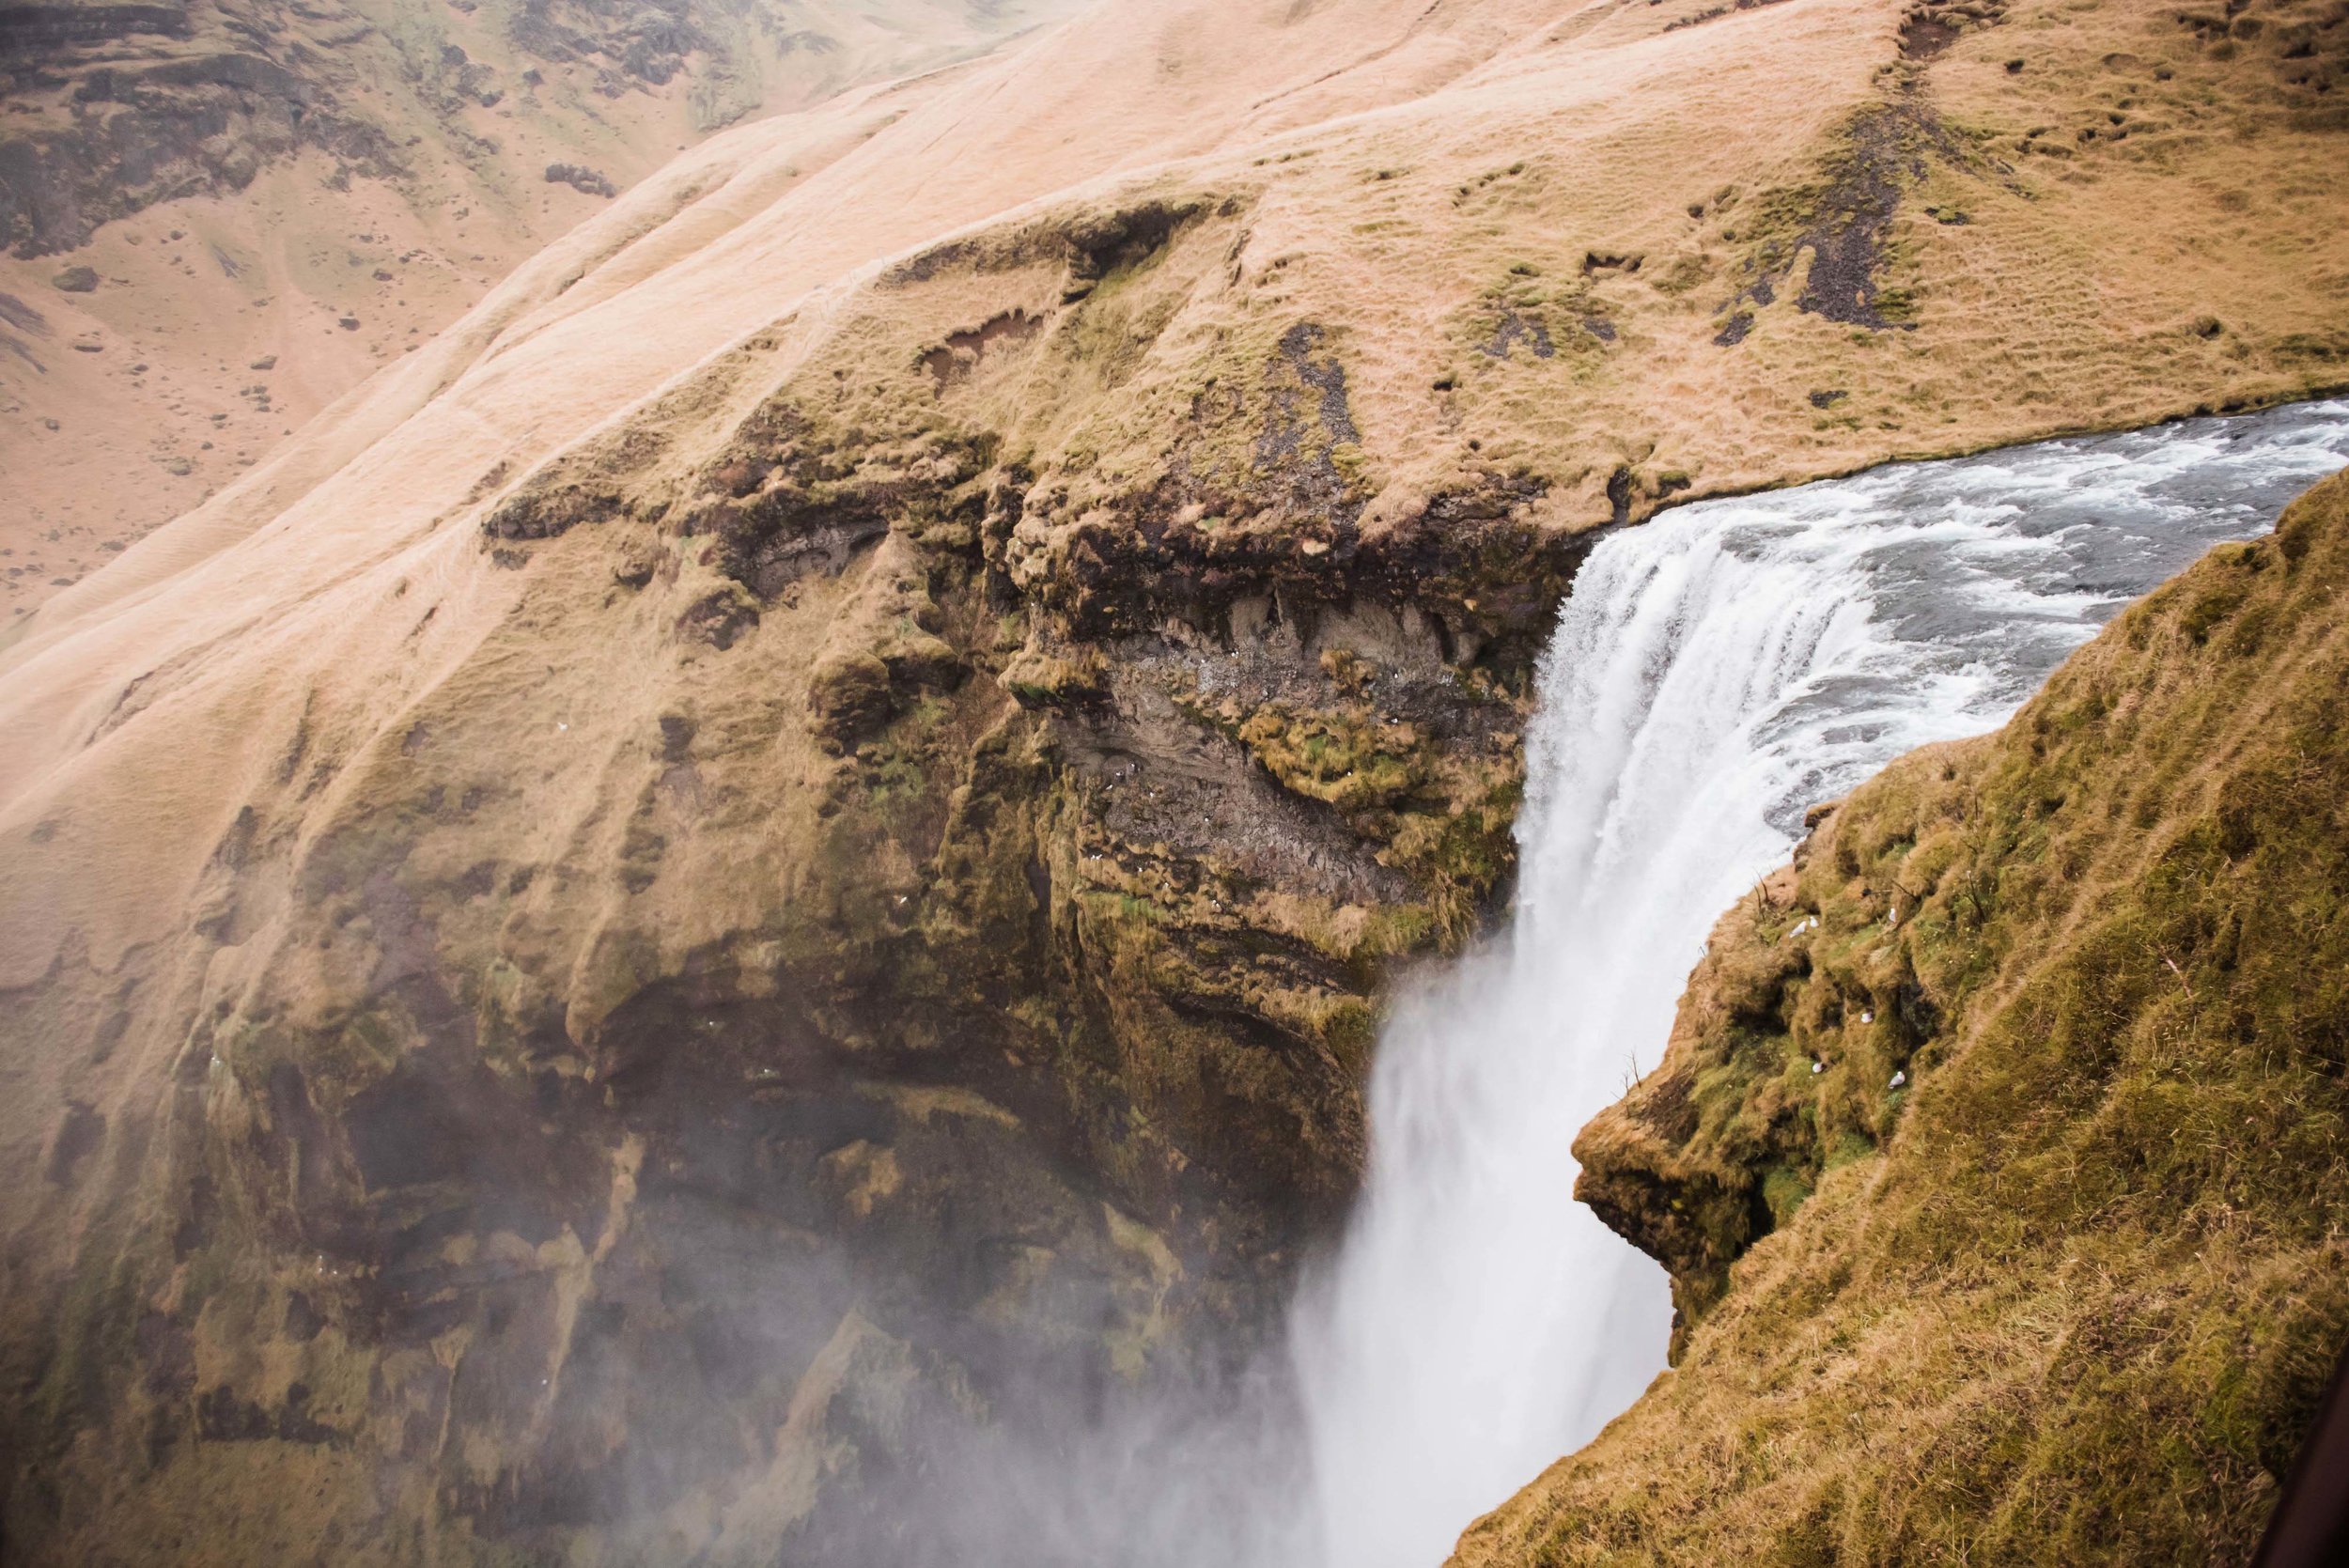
pixel 2042 1260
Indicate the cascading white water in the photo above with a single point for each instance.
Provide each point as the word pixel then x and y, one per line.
pixel 1714 673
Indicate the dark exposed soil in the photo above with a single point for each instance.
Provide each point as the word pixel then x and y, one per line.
pixel 1713 13
pixel 581 177
pixel 1514 329
pixel 958 357
pixel 1845 223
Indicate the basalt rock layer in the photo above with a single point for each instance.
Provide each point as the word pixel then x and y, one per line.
pixel 2000 1154
pixel 764 876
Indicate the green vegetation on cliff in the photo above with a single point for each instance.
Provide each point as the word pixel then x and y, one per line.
pixel 2000 1154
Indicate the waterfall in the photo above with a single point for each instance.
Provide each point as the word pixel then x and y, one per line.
pixel 1714 673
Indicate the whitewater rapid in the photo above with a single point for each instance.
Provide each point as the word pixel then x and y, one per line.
pixel 1714 671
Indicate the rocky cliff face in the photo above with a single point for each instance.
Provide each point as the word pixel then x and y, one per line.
pixel 933 1009
pixel 774 862
pixel 2000 1154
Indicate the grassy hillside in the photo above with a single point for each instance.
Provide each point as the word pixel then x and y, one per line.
pixel 215 220
pixel 2045 1261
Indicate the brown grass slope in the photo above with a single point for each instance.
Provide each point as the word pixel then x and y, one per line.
pixel 265 203
pixel 2069 1290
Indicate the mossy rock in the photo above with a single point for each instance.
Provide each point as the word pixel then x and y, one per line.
pixel 848 696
